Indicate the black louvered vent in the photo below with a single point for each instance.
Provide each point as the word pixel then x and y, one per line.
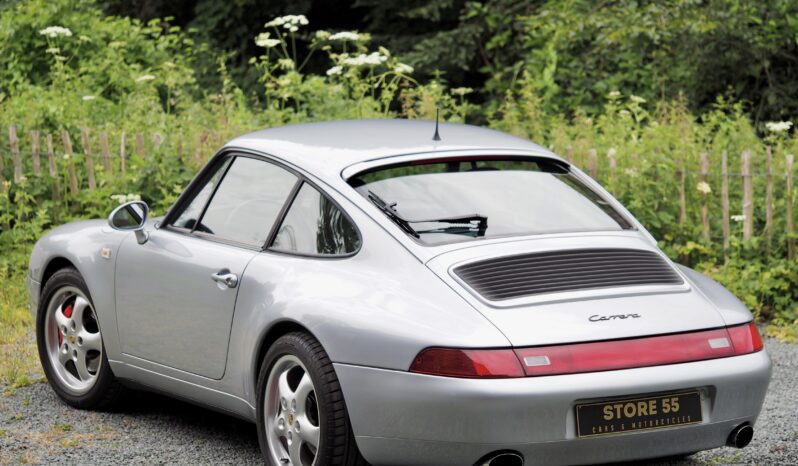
pixel 548 272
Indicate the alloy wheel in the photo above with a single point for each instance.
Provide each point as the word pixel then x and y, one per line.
pixel 291 414
pixel 73 340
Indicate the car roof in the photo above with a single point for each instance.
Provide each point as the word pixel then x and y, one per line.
pixel 326 148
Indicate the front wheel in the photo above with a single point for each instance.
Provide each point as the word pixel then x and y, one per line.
pixel 302 418
pixel 70 344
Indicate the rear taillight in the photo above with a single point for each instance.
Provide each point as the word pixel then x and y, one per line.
pixel 589 357
pixel 468 363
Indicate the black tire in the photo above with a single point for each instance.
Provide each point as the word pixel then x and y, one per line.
pixel 337 442
pixel 107 390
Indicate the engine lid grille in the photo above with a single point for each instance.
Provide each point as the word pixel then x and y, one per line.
pixel 531 274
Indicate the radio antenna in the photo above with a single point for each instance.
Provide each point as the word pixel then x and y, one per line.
pixel 437 136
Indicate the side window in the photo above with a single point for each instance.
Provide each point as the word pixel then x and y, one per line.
pixel 188 219
pixel 314 225
pixel 247 202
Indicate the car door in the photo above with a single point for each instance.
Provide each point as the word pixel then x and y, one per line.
pixel 176 293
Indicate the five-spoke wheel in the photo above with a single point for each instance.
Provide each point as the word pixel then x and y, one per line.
pixel 71 345
pixel 292 413
pixel 73 339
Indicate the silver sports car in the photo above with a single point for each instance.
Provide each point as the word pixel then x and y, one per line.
pixel 375 292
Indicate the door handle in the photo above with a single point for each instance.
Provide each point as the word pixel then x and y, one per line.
pixel 225 278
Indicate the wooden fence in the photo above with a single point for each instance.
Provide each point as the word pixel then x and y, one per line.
pixel 26 155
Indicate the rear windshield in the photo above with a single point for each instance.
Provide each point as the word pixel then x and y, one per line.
pixel 467 199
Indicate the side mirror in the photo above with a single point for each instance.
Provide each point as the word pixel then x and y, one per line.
pixel 131 216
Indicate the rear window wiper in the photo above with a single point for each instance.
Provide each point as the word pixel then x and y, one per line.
pixel 471 225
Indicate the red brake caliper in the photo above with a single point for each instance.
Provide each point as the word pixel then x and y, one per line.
pixel 68 314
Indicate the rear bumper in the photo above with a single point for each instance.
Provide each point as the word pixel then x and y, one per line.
pixel 401 418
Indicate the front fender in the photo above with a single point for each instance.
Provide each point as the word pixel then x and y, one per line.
pixel 83 245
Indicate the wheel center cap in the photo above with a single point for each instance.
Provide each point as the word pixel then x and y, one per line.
pixel 290 418
pixel 71 339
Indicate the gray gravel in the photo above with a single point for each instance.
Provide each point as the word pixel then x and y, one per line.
pixel 36 427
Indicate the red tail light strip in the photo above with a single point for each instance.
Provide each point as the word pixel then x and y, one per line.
pixel 589 357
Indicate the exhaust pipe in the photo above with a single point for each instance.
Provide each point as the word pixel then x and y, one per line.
pixel 740 436
pixel 502 458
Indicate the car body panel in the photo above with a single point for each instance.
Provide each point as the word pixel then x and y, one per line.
pixel 446 421
pixel 373 311
pixel 170 311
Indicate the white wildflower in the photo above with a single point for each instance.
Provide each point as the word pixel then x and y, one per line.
pixel 637 99
pixel 335 70
pixel 288 21
pixel 263 40
pixel 374 58
pixel 402 68
pixel 146 77
pixel 55 31
pixel 88 97
pixel 346 35
pixel 66 157
pixel 624 113
pixel 778 126
pixel 738 218
pixel 133 197
pixel 384 51
pixel 53 50
pixel 614 95
pixel 611 152
pixel 630 172
pixel 322 35
pixel 286 64
pixel 461 91
pixel 703 187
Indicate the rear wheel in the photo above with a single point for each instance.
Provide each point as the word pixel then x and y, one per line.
pixel 302 418
pixel 70 344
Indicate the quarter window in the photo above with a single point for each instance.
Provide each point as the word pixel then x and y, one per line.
pixel 315 225
pixel 247 202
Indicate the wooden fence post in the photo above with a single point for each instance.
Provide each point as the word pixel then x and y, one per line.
pixel 705 205
pixel 15 158
pixel 53 169
pixel 682 192
pixel 34 149
pixel 592 163
pixel 724 198
pixel 89 160
pixel 748 196
pixel 105 152
pixel 790 239
pixel 769 200
pixel 74 189
pixel 140 144
pixel 122 154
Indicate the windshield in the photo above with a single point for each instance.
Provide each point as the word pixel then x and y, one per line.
pixel 467 199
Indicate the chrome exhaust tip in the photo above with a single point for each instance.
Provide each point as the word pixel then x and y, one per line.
pixel 740 436
pixel 502 458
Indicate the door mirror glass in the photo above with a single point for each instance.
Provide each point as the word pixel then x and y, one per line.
pixel 131 216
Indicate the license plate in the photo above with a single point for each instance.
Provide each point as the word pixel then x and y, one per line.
pixel 639 413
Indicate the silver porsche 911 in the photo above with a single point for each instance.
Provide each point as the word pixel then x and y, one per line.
pixel 367 293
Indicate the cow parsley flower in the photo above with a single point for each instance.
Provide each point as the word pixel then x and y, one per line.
pixel 402 68
pixel 88 97
pixel 778 126
pixel 637 99
pixel 461 91
pixel 346 35
pixel 146 77
pixel 55 31
pixel 335 70
pixel 703 187
pixel 322 35
pixel 374 58
pixel 738 218
pixel 263 40
pixel 288 21
pixel 614 95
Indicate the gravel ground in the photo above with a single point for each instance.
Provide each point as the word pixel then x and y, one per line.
pixel 36 427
